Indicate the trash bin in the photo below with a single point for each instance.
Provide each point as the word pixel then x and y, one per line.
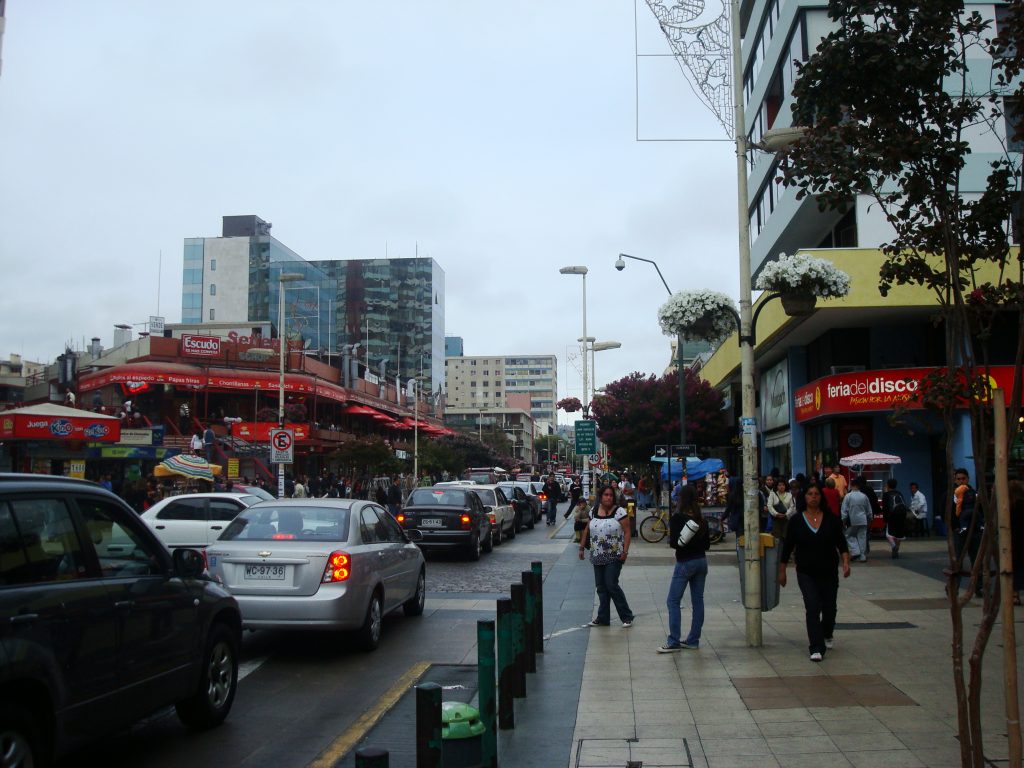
pixel 769 571
pixel 461 735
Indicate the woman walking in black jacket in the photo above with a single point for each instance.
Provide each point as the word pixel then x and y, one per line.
pixel 817 540
pixel 691 569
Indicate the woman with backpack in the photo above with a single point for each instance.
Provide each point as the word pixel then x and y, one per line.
pixel 895 511
pixel 689 537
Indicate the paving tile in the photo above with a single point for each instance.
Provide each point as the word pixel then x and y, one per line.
pixel 866 741
pixel 594 752
pixel 815 760
pixel 784 703
pixel 900 758
pixel 792 745
pixel 728 730
pixel 791 728
pixel 721 747
pixel 939 758
pixel 781 714
pixel 744 761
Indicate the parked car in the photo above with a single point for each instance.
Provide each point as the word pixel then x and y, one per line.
pixel 504 522
pixel 526 504
pixel 100 624
pixel 333 564
pixel 253 490
pixel 448 517
pixel 195 519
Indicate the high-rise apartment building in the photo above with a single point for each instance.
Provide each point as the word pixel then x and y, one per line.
pixel 388 314
pixel 2 4
pixel 492 381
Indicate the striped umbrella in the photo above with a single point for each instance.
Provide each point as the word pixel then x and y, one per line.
pixel 187 466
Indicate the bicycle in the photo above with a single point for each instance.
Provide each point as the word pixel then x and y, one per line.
pixel 655 528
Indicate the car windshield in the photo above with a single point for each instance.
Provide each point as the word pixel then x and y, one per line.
pixel 437 496
pixel 487 497
pixel 287 523
pixel 259 493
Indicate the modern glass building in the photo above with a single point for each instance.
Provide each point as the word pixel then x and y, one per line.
pixel 388 314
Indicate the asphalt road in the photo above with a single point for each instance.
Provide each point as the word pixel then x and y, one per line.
pixel 302 694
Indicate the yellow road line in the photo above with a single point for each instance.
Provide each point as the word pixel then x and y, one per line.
pixel 355 732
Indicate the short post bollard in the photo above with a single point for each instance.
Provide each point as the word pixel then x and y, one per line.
pixel 428 725
pixel 519 633
pixel 538 604
pixel 485 691
pixel 528 619
pixel 371 757
pixel 507 678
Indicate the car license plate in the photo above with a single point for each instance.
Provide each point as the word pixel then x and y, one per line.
pixel 264 572
pixel 431 522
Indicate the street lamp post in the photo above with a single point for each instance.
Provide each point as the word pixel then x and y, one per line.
pixel 621 265
pixel 595 347
pixel 582 272
pixel 284 277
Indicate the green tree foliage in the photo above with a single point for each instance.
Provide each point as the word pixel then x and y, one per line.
pixel 890 100
pixel 638 412
pixel 367 455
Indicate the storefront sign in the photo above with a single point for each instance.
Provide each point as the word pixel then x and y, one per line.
pixel 136 437
pixel 233 468
pixel 36 427
pixel 200 346
pixel 775 396
pixel 75 469
pixel 148 452
pixel 259 431
pixel 864 391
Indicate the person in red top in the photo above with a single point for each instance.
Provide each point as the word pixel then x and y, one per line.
pixel 833 500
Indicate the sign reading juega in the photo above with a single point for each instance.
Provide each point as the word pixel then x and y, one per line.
pixel 200 346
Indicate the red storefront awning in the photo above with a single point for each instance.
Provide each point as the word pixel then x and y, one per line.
pixel 227 378
pixel 179 374
pixel 55 422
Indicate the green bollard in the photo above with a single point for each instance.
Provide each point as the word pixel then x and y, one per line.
pixel 529 611
pixel 485 692
pixel 428 726
pixel 507 679
pixel 519 633
pixel 538 604
pixel 371 757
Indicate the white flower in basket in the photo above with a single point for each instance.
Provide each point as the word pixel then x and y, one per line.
pixel 698 316
pixel 804 275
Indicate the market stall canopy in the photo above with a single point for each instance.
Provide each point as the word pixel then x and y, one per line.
pixel 870 458
pixel 187 466
pixel 57 422
pixel 695 468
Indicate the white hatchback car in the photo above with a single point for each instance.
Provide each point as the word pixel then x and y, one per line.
pixel 195 519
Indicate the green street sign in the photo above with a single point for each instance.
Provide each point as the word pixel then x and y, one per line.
pixel 586 436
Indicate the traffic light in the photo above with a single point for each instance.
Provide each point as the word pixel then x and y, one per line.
pixel 554 457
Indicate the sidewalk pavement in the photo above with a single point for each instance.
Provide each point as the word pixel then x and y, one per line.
pixel 603 697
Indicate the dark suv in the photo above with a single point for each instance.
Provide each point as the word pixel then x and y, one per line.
pixel 99 624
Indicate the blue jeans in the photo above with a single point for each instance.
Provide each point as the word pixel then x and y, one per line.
pixel 694 573
pixel 606 579
pixel 552 509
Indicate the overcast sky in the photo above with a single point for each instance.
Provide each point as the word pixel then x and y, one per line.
pixel 500 137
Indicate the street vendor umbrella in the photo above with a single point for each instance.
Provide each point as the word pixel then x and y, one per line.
pixel 187 466
pixel 870 459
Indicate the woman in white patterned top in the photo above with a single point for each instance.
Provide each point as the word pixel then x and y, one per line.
pixel 608 536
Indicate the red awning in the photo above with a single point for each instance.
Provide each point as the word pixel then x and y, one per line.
pixel 360 410
pixel 226 378
pixel 55 422
pixel 178 374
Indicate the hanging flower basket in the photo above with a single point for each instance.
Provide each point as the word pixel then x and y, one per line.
pixel 698 316
pixel 799 304
pixel 802 280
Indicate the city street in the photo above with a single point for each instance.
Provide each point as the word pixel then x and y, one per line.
pixel 301 693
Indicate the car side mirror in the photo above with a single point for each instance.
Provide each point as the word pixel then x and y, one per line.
pixel 189 563
pixel 488 508
pixel 414 534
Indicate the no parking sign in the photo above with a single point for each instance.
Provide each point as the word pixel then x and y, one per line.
pixel 282 446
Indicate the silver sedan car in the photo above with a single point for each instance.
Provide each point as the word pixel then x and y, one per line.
pixel 336 564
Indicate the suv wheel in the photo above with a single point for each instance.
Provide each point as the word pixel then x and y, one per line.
pixel 20 743
pixel 210 704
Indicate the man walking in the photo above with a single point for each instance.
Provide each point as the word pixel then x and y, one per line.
pixel 968 530
pixel 856 513
pixel 208 441
pixel 553 491
pixel 919 508
pixel 394 497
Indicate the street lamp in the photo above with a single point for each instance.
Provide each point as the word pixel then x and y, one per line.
pixel 284 277
pixel 620 265
pixel 599 346
pixel 582 272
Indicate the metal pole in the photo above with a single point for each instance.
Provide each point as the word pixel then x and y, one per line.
pixel 751 523
pixel 485 691
pixel 586 405
pixel 529 609
pixel 682 392
pixel 416 431
pixel 428 725
pixel 538 604
pixel 371 757
pixel 518 637
pixel 282 339
pixel 507 678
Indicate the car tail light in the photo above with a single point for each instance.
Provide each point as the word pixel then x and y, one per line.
pixel 465 521
pixel 400 517
pixel 492 518
pixel 542 496
pixel 282 536
pixel 338 568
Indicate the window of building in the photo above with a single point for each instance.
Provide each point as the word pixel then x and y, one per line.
pixel 213 265
pixel 211 314
pixel 1013 123
pixel 213 289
